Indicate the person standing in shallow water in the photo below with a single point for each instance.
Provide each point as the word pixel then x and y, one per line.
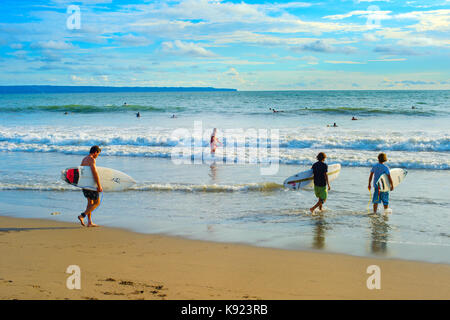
pixel 214 141
pixel 93 200
pixel 320 169
pixel 376 172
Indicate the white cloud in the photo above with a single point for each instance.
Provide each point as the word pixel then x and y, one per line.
pixel 359 1
pixel 77 78
pixel 344 62
pixel 388 60
pixel 324 47
pixel 85 2
pixel 408 38
pixel 52 45
pixel 370 37
pixel 289 5
pixel 375 15
pixel 423 42
pixel 132 40
pixel 233 74
pixel 310 59
pixel 178 47
pixel 433 20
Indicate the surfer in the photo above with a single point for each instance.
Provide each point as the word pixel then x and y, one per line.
pixel 214 141
pixel 353 118
pixel 92 196
pixel 320 169
pixel 376 172
pixel 138 115
pixel 275 111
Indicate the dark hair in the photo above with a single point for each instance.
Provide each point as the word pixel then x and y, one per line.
pixel 95 149
pixel 321 156
pixel 382 157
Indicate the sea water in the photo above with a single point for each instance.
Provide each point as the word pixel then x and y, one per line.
pixel 229 197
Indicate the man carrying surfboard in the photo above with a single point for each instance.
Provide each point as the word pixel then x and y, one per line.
pixel 377 171
pixel 92 196
pixel 320 169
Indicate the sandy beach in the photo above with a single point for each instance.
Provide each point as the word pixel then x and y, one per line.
pixel 118 264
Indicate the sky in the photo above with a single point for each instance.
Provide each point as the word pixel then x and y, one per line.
pixel 246 45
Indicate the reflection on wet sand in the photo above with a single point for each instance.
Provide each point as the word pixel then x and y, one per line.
pixel 320 226
pixel 379 233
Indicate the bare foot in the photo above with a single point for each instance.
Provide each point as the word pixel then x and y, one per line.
pixel 81 220
pixel 90 224
pixel 311 209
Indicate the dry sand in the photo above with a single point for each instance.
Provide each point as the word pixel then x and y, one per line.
pixel 117 264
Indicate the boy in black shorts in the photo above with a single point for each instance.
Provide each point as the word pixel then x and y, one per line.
pixel 92 196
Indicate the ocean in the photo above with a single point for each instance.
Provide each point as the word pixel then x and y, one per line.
pixel 237 195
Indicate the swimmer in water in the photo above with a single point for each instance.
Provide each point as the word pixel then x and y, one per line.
pixel 138 115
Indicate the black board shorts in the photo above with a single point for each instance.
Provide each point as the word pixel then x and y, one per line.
pixel 92 195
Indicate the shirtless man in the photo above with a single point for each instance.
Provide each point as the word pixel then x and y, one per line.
pixel 92 196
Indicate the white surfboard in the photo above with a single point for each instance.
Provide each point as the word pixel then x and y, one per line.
pixel 111 180
pixel 397 176
pixel 305 179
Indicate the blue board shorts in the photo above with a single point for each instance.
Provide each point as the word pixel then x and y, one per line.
pixel 382 197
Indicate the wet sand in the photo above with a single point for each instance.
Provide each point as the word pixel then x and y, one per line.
pixel 118 264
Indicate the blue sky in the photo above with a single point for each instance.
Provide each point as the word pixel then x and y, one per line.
pixel 247 45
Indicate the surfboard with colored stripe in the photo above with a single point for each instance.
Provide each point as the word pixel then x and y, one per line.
pixel 111 180
pixel 305 179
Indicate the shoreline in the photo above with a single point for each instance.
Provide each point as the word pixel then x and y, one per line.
pixel 121 264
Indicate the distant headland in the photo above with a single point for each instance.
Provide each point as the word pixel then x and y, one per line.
pixel 87 89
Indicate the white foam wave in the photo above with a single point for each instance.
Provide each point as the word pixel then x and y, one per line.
pixel 289 139
pixel 161 187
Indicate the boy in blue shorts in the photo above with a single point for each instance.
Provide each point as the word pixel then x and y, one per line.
pixel 379 169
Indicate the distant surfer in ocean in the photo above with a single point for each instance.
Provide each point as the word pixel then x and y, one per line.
pixel 377 171
pixel 93 200
pixel 320 169
pixel 138 115
pixel 275 111
pixel 214 141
